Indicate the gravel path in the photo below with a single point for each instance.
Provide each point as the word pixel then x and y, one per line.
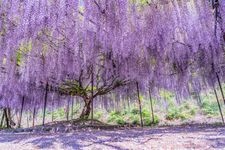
pixel 178 137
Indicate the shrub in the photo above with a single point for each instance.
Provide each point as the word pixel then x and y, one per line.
pixel 145 113
pixel 120 121
pixel 173 113
pixel 156 120
pixel 115 113
pixel 210 108
pixel 183 112
pixel 148 120
pixel 134 120
pixel 116 117
pixel 132 116
pixel 135 111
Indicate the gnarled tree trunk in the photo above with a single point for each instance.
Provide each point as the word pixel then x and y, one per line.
pixel 87 109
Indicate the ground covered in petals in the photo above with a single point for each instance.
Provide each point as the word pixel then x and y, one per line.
pixel 175 137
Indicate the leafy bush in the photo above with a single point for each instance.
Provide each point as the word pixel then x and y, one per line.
pixel 120 121
pixel 145 113
pixel 116 117
pixel 173 113
pixel 134 119
pixel 148 120
pixel 210 108
pixel 135 111
pixel 147 117
pixel 183 112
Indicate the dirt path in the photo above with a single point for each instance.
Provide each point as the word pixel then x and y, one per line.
pixel 185 137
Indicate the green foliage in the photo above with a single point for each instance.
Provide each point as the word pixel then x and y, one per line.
pixel 173 113
pixel 167 95
pixel 210 108
pixel 183 112
pixel 145 113
pixel 209 104
pixel 141 2
pixel 134 119
pixel 116 117
pixel 120 121
pixel 132 116
pixel 98 115
pixel 135 111
pixel 24 48
pixel 148 120
pixel 59 113
pixel 147 117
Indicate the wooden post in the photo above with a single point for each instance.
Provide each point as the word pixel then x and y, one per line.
pixel 2 120
pixel 9 116
pixel 218 104
pixel 139 102
pixel 34 113
pixel 68 109
pixel 151 104
pixel 128 102
pixel 45 103
pixel 123 102
pixel 52 110
pixel 221 89
pixel 6 118
pixel 28 119
pixel 92 94
pixel 72 107
pixel 21 112
pixel 199 99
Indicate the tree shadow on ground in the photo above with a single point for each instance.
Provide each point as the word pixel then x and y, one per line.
pixel 213 135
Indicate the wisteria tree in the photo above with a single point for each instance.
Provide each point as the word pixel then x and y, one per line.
pixel 92 47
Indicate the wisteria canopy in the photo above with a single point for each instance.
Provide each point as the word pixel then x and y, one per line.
pixel 88 48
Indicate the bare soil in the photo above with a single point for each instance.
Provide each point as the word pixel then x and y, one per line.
pixel 196 136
